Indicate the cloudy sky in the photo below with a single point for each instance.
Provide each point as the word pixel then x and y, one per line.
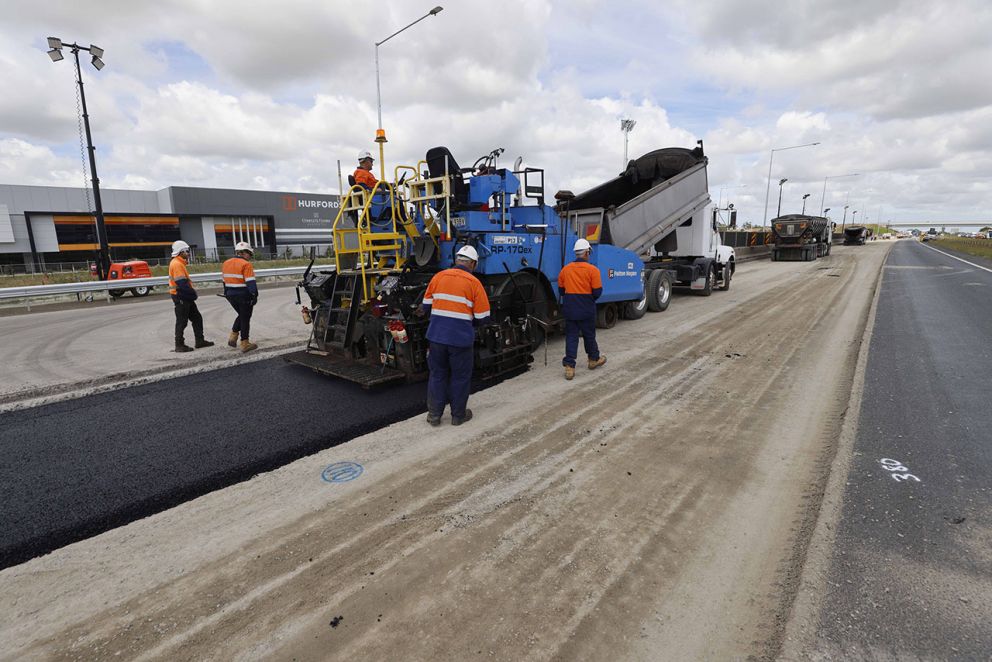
pixel 271 94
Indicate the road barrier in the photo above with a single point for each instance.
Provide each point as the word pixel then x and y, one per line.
pixel 34 291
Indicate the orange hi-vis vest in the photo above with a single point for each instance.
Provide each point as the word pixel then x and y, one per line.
pixel 239 276
pixel 179 276
pixel 365 177
pixel 457 301
pixel 581 284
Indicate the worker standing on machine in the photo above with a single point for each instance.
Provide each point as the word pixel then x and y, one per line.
pixel 241 291
pixel 456 303
pixel 580 285
pixel 184 297
pixel 363 174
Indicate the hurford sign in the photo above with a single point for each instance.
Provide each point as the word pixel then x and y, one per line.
pixel 293 203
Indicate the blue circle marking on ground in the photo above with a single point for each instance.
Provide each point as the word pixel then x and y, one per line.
pixel 342 472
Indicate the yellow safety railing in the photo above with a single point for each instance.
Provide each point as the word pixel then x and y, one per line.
pixel 373 255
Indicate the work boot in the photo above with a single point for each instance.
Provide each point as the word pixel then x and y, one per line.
pixel 464 419
pixel 201 343
pixel 232 339
pixel 433 420
pixel 598 362
pixel 183 347
pixel 247 345
pixel 569 372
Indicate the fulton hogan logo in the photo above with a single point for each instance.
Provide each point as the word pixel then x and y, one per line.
pixel 292 203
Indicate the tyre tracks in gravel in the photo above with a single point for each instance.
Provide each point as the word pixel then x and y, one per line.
pixel 601 528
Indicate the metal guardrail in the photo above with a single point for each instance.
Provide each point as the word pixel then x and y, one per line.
pixel 32 291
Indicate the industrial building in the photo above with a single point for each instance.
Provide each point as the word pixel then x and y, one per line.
pixel 44 225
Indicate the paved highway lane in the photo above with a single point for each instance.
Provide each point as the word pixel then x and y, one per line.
pixel 911 573
pixel 77 468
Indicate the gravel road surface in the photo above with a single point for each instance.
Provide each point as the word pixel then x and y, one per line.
pixel 659 508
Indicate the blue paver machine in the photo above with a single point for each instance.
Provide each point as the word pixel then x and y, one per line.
pixel 390 241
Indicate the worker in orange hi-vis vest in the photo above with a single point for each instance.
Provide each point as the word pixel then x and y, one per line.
pixel 184 298
pixel 363 174
pixel 580 284
pixel 241 292
pixel 457 303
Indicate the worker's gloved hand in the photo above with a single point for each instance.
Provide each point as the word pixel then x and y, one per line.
pixel 254 300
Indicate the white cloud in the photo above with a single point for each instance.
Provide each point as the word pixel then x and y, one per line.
pixel 272 95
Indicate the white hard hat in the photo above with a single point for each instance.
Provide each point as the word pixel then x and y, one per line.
pixel 364 155
pixel 243 246
pixel 468 253
pixel 582 245
pixel 178 247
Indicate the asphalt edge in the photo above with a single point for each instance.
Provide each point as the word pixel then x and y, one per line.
pixel 801 627
pixel 47 395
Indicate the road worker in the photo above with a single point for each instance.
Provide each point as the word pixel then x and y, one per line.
pixel 363 174
pixel 184 297
pixel 456 302
pixel 580 284
pixel 241 291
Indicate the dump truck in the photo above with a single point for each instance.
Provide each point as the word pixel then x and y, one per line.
pixel 855 236
pixel 657 208
pixel 801 237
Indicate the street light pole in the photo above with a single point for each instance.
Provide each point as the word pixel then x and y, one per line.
pixel 780 182
pixel 380 133
pixel 55 53
pixel 823 196
pixel 626 126
pixel 768 187
pixel 844 222
pixel 804 204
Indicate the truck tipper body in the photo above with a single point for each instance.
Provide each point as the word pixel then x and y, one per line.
pixel 801 237
pixel 657 208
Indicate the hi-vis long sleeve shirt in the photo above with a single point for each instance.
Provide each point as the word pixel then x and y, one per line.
pixel 581 284
pixel 456 302
pixel 239 277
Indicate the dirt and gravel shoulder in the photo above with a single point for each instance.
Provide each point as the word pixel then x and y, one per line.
pixel 659 508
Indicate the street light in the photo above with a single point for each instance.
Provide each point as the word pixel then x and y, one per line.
pixel 768 188
pixel 780 182
pixel 626 126
pixel 380 133
pixel 824 212
pixel 804 204
pixel 719 204
pixel 55 53
pixel 823 196
pixel 844 221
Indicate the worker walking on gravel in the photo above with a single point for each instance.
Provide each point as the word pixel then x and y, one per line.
pixel 456 302
pixel 580 284
pixel 184 298
pixel 241 291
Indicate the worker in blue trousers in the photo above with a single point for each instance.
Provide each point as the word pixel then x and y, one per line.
pixel 456 303
pixel 580 284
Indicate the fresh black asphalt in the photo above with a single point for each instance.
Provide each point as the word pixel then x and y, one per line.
pixel 75 469
pixel 911 570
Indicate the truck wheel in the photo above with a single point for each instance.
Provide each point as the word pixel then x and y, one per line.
pixel 728 272
pixel 606 316
pixel 635 310
pixel 710 282
pixel 141 291
pixel 116 293
pixel 659 290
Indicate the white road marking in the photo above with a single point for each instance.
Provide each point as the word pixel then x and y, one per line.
pixel 895 465
pixel 977 266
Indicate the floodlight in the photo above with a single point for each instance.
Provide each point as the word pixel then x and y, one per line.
pixel 96 51
pixel 54 42
pixel 55 54
pixel 98 63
